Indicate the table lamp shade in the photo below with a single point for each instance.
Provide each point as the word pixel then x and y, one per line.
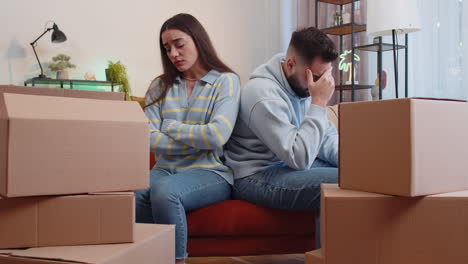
pixel 57 35
pixel 383 16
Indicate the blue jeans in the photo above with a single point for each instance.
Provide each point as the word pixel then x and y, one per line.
pixel 282 187
pixel 171 195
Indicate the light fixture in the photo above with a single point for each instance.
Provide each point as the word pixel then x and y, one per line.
pixel 57 37
pixel 392 17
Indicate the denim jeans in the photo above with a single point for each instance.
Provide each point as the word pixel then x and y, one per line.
pixel 171 195
pixel 282 187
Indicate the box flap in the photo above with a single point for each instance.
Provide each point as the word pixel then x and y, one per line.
pixel 323 219
pixel 437 99
pixel 32 90
pixel 123 193
pixel 117 96
pixel 403 99
pixel 314 257
pixel 4 259
pixel 334 191
pixel 339 142
pixel 64 108
pixel 145 233
pixel 9 259
pixel 3 146
pixel 460 194
pixel 111 193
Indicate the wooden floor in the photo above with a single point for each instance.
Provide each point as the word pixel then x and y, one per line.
pixel 270 259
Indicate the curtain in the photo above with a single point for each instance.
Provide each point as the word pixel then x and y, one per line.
pixel 438 53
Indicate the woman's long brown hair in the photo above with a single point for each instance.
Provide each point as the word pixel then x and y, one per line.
pixel 206 52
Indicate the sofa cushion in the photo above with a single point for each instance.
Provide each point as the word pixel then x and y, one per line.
pixel 240 218
pixel 249 245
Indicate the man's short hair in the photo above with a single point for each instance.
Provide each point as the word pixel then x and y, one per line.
pixel 310 43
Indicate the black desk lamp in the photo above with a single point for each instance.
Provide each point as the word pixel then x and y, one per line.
pixel 57 37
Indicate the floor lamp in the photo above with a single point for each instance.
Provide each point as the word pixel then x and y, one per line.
pixel 393 17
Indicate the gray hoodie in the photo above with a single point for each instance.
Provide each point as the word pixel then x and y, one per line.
pixel 275 126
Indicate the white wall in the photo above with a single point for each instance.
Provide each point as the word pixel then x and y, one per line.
pixel 288 21
pixel 245 33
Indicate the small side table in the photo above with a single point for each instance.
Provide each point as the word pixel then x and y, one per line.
pixel 69 83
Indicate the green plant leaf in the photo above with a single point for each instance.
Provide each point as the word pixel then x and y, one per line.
pixel 117 73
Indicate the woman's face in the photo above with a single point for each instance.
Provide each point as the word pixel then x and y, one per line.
pixel 180 49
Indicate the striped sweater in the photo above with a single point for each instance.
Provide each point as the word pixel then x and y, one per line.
pixel 188 133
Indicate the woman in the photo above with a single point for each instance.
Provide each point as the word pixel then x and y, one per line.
pixel 192 108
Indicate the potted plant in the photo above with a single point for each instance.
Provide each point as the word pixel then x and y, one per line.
pixel 60 65
pixel 117 73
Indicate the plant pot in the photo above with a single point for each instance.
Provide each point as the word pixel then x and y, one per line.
pixel 62 75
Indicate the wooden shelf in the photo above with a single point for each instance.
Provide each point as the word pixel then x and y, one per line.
pixel 344 29
pixel 375 47
pixel 338 2
pixel 356 87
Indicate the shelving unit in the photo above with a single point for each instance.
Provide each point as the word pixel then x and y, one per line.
pixel 351 29
pixel 381 47
pixel 345 29
pixel 376 47
pixel 350 87
pixel 338 2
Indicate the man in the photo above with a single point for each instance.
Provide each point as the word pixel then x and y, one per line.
pixel 283 146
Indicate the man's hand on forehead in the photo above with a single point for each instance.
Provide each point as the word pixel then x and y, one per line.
pixel 316 76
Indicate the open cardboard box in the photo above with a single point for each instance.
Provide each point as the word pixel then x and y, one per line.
pixel 406 147
pixel 153 244
pixel 67 220
pixel 55 145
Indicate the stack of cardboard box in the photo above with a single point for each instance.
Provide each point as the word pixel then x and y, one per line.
pixel 69 161
pixel 403 178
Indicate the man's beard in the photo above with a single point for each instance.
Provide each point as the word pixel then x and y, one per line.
pixel 299 90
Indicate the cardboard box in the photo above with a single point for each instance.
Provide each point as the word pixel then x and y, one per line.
pixel 314 257
pixel 58 145
pixel 154 244
pixel 406 147
pixel 62 92
pixel 368 228
pixel 67 220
